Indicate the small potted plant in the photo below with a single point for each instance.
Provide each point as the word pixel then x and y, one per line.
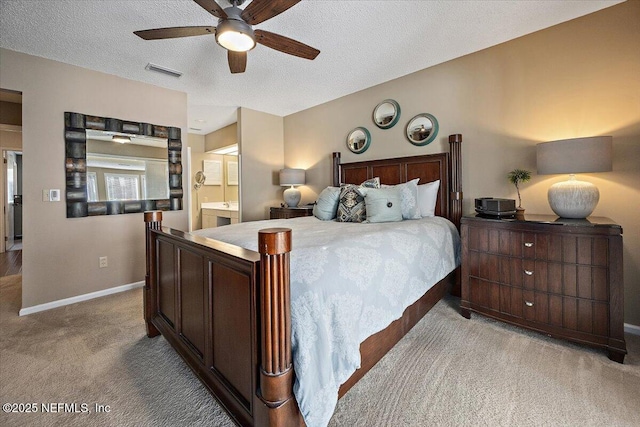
pixel 517 177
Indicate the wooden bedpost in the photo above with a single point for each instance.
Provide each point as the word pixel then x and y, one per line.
pixel 276 368
pixel 335 169
pixel 455 148
pixel 153 221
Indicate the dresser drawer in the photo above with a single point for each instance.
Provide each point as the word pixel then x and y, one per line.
pixel 558 311
pixel 506 242
pixel 572 314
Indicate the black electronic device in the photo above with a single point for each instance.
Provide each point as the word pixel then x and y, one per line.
pixel 496 208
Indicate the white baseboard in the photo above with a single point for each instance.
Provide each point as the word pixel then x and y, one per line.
pixel 632 329
pixel 79 298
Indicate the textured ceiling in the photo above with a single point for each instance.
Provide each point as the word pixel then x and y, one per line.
pixel 362 43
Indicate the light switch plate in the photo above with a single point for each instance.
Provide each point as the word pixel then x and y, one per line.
pixel 54 195
pixel 45 195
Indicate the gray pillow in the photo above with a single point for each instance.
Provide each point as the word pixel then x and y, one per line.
pixel 351 207
pixel 409 198
pixel 326 206
pixel 383 204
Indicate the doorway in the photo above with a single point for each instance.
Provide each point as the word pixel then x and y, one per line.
pixel 11 210
pixel 13 200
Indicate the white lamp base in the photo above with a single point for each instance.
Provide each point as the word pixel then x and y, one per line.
pixel 573 198
pixel 291 197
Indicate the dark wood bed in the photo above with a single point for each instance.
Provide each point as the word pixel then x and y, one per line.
pixel 226 309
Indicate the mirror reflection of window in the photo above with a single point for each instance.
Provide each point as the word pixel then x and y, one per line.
pixel 142 160
pixel 122 186
pixel 92 187
pixel 155 182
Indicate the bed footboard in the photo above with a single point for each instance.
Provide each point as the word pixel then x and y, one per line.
pixel 226 311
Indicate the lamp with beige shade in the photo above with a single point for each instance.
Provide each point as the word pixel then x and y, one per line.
pixel 290 178
pixel 573 198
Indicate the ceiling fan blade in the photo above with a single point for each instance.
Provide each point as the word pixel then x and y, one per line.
pixel 212 7
pixel 260 10
pixel 237 61
pixel 285 44
pixel 174 32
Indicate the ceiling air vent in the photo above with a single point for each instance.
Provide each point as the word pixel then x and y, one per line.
pixel 163 70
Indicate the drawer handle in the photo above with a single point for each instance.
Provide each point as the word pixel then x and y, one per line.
pixel 528 272
pixel 528 244
pixel 529 303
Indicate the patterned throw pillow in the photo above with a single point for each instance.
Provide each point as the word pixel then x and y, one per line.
pixel 409 196
pixel 371 183
pixel 351 207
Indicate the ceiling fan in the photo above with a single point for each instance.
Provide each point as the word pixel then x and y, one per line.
pixel 234 31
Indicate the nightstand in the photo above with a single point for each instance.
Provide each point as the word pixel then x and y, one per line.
pixel 561 277
pixel 285 213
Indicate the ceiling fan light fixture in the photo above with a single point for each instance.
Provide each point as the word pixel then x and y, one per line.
pixel 235 35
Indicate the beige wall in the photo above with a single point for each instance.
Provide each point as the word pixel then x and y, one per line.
pixel 208 193
pixel 60 255
pixel 10 113
pixel 261 148
pixel 224 137
pixel 196 142
pixel 231 193
pixel 10 139
pixel 221 138
pixel 580 78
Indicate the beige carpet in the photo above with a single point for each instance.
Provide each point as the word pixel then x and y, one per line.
pixel 448 371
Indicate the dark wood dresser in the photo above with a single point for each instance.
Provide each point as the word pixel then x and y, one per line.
pixel 285 213
pixel 561 277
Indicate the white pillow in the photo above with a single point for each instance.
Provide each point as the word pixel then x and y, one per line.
pixel 427 198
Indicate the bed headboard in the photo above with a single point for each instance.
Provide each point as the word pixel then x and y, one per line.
pixel 447 167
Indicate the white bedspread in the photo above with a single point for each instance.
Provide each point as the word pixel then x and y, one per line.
pixel 349 281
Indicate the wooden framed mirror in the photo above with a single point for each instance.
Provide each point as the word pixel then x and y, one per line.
pixel 132 183
pixel 358 140
pixel 386 114
pixel 422 129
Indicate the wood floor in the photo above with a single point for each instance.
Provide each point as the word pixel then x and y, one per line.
pixel 10 263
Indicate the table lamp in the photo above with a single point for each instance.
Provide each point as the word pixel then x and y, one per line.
pixel 573 198
pixel 291 178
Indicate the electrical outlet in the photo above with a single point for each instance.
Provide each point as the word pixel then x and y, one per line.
pixel 103 262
